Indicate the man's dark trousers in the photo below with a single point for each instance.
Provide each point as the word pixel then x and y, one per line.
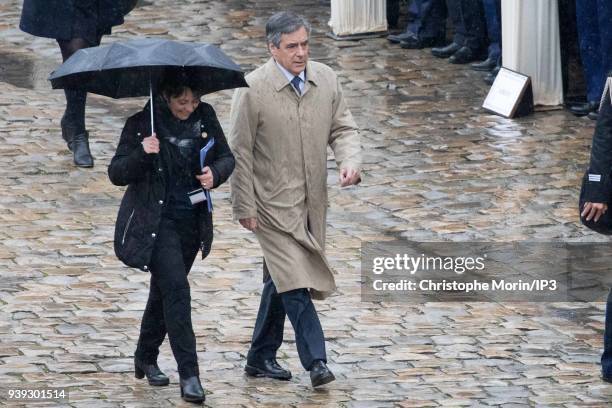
pixel 468 22
pixel 492 11
pixel 427 19
pixel 594 21
pixel 268 332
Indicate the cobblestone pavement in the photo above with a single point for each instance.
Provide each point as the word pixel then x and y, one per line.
pixel 436 168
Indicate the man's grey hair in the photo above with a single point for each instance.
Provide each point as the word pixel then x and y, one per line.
pixel 284 22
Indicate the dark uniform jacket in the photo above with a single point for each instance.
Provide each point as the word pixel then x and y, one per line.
pixel 598 186
pixel 141 209
pixel 55 18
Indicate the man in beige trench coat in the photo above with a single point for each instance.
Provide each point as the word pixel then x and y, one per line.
pixel 280 129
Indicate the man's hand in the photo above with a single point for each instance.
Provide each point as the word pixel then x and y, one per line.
pixel 249 223
pixel 206 178
pixel 349 177
pixel 591 210
pixel 151 144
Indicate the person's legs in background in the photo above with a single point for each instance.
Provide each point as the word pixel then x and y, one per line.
pixel 473 30
pixel 454 12
pixel 589 37
pixel 492 11
pixel 604 15
pixel 73 120
pixel 412 16
pixel 393 12
pixel 87 27
pixel 429 24
pixel 574 87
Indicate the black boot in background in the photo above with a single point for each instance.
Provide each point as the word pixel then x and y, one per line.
pixel 80 150
pixel 73 121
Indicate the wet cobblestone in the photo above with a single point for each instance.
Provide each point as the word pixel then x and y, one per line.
pixel 436 168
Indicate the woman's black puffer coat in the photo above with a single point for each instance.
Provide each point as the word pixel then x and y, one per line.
pixel 141 209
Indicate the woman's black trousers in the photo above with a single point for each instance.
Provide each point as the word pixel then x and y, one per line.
pixel 168 309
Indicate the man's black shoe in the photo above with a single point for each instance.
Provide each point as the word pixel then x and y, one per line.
pixel 320 374
pixel 445 52
pixel 154 375
pixel 593 115
pixel 583 109
pixel 268 368
pixel 191 390
pixel 80 150
pixel 486 65
pixel 417 43
pixel 464 55
pixel 397 38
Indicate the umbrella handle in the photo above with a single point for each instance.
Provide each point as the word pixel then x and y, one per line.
pixel 151 96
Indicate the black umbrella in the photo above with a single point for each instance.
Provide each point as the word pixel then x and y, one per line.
pixel 134 68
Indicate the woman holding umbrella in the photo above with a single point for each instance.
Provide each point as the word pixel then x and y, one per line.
pixel 164 218
pixel 75 24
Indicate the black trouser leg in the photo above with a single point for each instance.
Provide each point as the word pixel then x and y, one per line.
pixel 454 12
pixel 152 328
pixel 430 21
pixel 175 250
pixel 268 332
pixel 473 24
pixel 309 336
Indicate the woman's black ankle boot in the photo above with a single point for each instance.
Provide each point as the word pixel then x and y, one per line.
pixel 191 390
pixel 154 375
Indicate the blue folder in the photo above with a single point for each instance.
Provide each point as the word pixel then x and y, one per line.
pixel 203 153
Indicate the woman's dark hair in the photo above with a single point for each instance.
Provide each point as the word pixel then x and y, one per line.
pixel 175 82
